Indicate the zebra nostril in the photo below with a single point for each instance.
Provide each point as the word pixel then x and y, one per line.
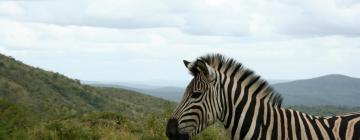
pixel 172 128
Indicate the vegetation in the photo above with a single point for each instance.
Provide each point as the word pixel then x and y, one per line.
pixel 42 105
pixel 52 95
pixel 16 122
pixel 96 125
pixel 39 104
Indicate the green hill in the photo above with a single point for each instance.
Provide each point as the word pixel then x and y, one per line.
pixel 42 105
pixel 50 94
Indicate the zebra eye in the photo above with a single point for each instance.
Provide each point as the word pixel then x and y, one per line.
pixel 196 95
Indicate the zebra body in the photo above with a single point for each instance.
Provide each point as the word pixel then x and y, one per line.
pixel 249 108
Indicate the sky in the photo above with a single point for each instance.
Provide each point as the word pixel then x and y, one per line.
pixel 143 40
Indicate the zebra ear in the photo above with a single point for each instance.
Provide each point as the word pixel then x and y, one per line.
pixel 200 66
pixel 191 67
pixel 187 64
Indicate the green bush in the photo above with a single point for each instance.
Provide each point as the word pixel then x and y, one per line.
pixel 63 130
pixel 214 132
pixel 13 120
pixel 154 129
pixel 105 118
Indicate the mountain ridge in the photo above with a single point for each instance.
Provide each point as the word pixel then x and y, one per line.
pixel 333 89
pixel 321 90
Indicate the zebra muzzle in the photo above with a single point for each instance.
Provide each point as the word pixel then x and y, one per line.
pixel 172 131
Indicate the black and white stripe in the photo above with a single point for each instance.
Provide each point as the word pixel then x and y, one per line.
pixel 249 108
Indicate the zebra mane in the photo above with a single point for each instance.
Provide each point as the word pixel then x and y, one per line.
pixel 215 60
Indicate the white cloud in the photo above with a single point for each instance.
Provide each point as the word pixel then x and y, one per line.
pixel 199 17
pixel 10 9
pixel 278 39
pixel 318 17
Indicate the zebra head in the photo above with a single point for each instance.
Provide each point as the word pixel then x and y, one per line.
pixel 198 108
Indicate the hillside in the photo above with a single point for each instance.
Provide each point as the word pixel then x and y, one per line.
pixel 324 90
pixel 42 105
pixel 50 94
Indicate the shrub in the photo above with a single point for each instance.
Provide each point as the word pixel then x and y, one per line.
pixel 13 120
pixel 63 130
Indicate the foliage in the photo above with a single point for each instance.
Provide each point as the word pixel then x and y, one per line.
pixel 51 95
pixel 62 130
pixel 13 119
pixel 214 132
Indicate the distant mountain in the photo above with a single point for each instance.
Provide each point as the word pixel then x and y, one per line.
pixel 168 93
pixel 325 90
pixel 277 81
pixel 148 84
pixel 49 94
pixel 126 85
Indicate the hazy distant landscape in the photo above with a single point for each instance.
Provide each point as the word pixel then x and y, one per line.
pixel 312 92
pixel 171 93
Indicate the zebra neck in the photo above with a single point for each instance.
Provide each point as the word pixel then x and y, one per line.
pixel 249 115
pixel 243 89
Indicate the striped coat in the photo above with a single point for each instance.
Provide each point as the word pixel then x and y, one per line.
pixel 224 90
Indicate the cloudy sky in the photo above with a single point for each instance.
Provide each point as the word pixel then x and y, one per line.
pixel 143 40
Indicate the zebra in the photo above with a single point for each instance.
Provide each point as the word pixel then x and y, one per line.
pixel 249 108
